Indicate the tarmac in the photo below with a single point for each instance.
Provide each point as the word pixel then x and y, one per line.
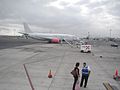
pixel 39 58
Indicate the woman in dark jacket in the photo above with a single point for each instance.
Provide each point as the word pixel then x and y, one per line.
pixel 77 74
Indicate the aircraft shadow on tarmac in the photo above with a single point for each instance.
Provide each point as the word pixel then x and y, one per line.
pixel 9 42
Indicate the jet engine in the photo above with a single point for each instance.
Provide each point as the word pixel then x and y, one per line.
pixel 55 40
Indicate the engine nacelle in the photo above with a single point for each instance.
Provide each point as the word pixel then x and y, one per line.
pixel 55 40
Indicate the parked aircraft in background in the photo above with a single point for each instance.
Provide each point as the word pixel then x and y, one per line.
pixel 50 37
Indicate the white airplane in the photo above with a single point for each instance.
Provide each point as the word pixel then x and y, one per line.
pixel 52 38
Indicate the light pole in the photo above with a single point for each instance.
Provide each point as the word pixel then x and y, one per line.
pixel 110 33
pixel 88 37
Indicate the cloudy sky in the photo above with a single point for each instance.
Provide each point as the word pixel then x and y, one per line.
pixel 98 17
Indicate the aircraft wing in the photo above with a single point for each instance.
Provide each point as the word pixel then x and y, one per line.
pixel 38 37
pixel 34 37
pixel 41 38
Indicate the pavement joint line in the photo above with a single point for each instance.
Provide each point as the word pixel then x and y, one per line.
pixel 33 56
pixel 48 59
pixel 29 79
pixel 15 64
pixel 104 69
pixel 57 70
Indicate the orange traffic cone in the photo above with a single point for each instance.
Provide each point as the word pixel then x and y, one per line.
pixel 49 74
pixel 116 74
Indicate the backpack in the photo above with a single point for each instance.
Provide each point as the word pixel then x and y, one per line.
pixel 74 73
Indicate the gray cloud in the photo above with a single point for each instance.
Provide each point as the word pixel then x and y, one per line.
pixel 82 16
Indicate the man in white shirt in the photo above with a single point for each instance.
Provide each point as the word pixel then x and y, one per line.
pixel 85 75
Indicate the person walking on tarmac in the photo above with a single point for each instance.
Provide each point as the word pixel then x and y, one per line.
pixel 77 75
pixel 85 75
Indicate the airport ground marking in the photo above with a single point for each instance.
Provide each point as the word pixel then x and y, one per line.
pixel 28 77
pixel 62 57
